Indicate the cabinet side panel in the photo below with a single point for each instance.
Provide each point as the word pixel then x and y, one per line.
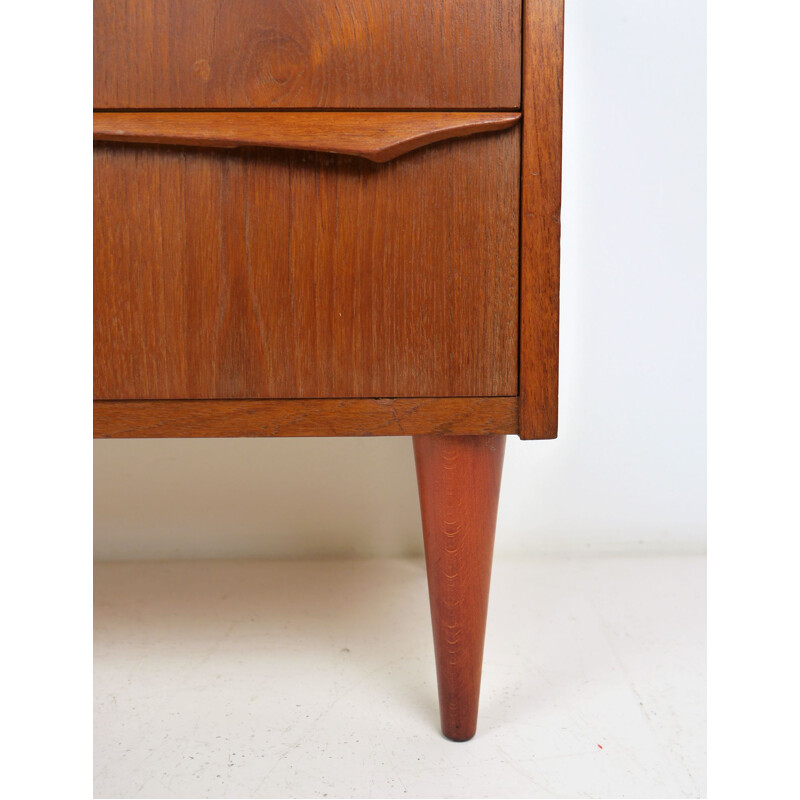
pixel 543 49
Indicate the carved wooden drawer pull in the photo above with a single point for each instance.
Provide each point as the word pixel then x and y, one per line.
pixel 378 136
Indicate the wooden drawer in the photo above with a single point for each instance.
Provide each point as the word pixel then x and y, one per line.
pixel 263 273
pixel 226 54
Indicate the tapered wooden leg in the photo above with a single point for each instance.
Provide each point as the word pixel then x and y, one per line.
pixel 459 484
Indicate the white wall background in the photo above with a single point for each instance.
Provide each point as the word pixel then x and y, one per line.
pixel 627 472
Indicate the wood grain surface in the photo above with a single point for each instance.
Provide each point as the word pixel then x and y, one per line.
pixel 459 486
pixel 445 54
pixel 376 135
pixel 157 419
pixel 257 273
pixel 541 218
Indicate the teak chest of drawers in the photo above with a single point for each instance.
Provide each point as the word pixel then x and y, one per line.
pixel 338 218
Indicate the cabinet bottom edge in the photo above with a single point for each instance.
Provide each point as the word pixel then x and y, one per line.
pixel 162 419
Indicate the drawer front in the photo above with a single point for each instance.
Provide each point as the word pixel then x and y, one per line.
pixel 259 273
pixel 225 54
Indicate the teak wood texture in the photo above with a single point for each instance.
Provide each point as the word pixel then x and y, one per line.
pixel 266 265
pixel 459 486
pixel 226 54
pixel 541 218
pixel 376 135
pixel 157 419
pixel 255 273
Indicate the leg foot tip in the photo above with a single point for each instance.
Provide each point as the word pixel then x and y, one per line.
pixel 458 735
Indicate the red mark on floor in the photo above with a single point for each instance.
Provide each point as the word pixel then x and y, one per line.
pixel 600 746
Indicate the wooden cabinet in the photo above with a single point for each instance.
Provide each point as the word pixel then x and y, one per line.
pixel 337 217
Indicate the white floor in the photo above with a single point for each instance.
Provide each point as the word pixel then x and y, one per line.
pixel 298 679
